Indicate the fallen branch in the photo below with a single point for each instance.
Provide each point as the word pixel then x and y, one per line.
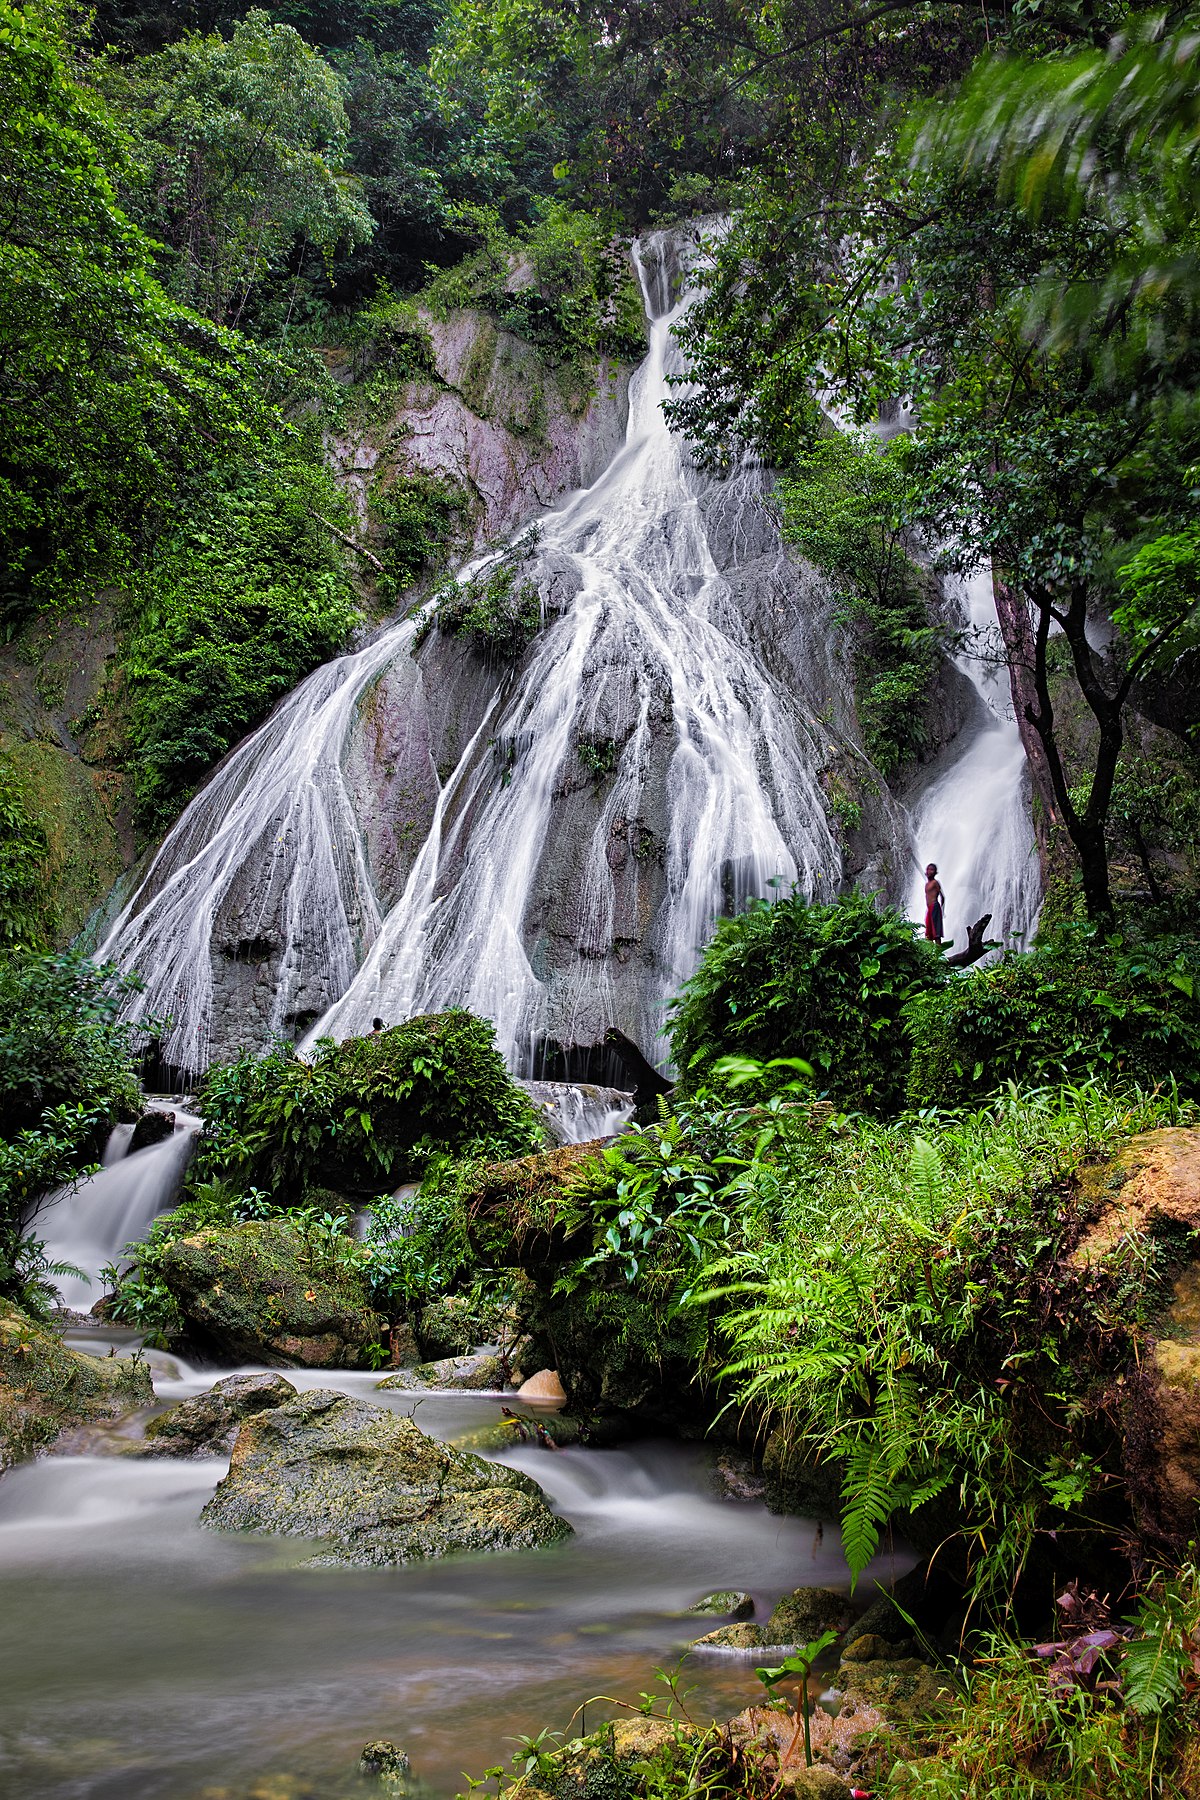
pixel 977 945
pixel 343 537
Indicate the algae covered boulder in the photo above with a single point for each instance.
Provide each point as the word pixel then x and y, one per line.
pixel 256 1292
pixel 45 1387
pixel 208 1424
pixel 374 1486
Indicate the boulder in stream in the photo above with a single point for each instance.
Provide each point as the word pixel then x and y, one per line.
pixel 374 1486
pixel 46 1388
pixel 208 1424
pixel 481 1372
pixel 257 1292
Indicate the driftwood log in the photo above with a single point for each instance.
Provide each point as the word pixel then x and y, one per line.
pixel 977 944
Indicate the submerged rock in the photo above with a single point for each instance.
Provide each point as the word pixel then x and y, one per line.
pixel 208 1424
pixel 373 1485
pixel 731 1602
pixel 46 1388
pixel 480 1372
pixel 799 1617
pixel 255 1291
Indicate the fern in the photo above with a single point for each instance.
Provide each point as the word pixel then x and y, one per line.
pixel 1153 1676
pixel 870 1498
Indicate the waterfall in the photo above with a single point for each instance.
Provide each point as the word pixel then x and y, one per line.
pixel 654 618
pixel 263 900
pixel 89 1224
pixel 973 818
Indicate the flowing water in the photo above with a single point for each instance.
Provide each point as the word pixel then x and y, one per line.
pixel 146 1659
pixel 973 818
pixel 90 1224
pixel 652 630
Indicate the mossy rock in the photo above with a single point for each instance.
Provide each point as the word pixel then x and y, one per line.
pixel 521 1212
pixel 902 1690
pixel 451 1326
pixel 806 1613
pixel 208 1424
pixel 253 1292
pixel 481 1373
pixel 374 1486
pixel 46 1388
pixel 731 1603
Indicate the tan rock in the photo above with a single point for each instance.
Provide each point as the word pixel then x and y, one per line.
pixel 545 1385
pixel 1154 1181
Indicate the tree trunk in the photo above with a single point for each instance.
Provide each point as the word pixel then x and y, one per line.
pixel 1012 615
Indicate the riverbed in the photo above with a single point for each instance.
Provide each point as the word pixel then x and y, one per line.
pixel 143 1658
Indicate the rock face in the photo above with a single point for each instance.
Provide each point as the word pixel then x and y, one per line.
pixel 46 1387
pixel 374 1486
pixel 208 1425
pixel 1153 1193
pixel 250 1292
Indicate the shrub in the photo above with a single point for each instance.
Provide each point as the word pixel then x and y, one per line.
pixel 62 1040
pixel 235 609
pixel 420 515
pixel 828 983
pixel 363 1112
pixel 496 611
pixel 1077 1004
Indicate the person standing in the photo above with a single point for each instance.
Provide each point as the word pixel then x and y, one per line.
pixel 934 903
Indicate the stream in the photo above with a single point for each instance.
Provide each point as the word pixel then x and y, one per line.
pixel 144 1658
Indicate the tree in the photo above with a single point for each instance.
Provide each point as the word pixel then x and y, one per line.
pixel 1052 455
pixel 110 392
pixel 241 141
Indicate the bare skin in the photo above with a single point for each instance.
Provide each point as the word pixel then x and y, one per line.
pixel 935 901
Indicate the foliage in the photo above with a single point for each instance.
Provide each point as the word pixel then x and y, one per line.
pixel 825 982
pixel 62 1040
pixel 110 392
pixel 23 846
pixel 1078 1004
pixel 915 1315
pixel 241 141
pixel 34 1161
pixel 237 605
pixel 563 283
pixel 361 1111
pixel 1023 1737
pixel 66 1075
pixel 497 611
pixel 421 516
pixel 843 507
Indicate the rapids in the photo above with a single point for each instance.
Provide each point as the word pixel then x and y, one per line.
pixel 146 1659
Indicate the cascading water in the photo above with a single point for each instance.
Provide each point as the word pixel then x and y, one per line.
pixel 90 1224
pixel 654 619
pixel 515 906
pixel 973 819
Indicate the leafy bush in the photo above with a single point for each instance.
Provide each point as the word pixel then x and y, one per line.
pixel 362 1112
pixel 565 284
pixel 843 508
pixel 23 847
pixel 913 1314
pixel 420 515
pixel 1077 1004
pixel 824 982
pixel 62 1040
pixel 237 607
pixel 496 611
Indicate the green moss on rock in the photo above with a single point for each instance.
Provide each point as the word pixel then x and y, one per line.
pixel 374 1486
pixel 46 1387
pixel 257 1291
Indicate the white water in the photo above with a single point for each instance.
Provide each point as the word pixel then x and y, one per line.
pixel 274 835
pixel 146 1659
pixel 91 1223
pixel 973 819
pixel 740 783
pixel 578 1112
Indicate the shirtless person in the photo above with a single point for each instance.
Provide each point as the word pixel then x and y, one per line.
pixel 934 900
